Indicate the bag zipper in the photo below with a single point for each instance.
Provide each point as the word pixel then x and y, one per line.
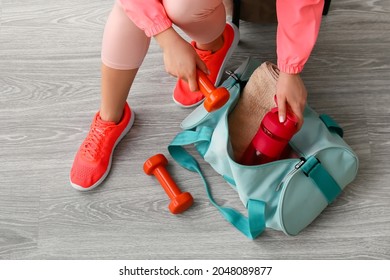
pixel 291 173
pixel 236 78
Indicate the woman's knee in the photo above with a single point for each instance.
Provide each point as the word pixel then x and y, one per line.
pixel 187 11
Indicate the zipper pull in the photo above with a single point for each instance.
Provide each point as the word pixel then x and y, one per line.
pixel 235 77
pixel 299 164
pixel 291 173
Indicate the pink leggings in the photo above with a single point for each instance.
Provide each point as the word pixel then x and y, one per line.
pixel 125 45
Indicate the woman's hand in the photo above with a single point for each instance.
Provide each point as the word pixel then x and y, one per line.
pixel 291 95
pixel 180 58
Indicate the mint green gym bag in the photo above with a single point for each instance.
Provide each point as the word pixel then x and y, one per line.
pixel 285 195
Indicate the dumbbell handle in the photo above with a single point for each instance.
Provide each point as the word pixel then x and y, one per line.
pixel 215 97
pixel 166 182
pixel 180 202
pixel 204 83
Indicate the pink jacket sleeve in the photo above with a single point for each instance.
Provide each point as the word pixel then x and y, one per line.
pixel 148 15
pixel 298 26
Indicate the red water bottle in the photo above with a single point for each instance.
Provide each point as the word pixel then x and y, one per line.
pixel 271 139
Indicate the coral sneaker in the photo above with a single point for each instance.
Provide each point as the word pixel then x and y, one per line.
pixel 93 159
pixel 215 62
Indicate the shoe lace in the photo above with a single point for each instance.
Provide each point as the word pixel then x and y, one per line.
pixel 94 141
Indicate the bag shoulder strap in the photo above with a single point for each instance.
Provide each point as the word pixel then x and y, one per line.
pixel 251 226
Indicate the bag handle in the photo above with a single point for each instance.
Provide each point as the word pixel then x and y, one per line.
pixel 251 226
pixel 331 124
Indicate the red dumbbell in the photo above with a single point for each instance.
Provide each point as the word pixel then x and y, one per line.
pixel 215 97
pixel 180 202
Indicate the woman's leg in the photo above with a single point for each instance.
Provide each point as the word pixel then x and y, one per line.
pixel 123 50
pixel 115 86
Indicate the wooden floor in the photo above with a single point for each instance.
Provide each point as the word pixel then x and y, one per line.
pixel 49 91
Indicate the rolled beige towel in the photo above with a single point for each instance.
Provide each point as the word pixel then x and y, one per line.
pixel 256 99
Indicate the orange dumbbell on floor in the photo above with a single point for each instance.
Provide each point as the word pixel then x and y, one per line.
pixel 180 202
pixel 215 97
